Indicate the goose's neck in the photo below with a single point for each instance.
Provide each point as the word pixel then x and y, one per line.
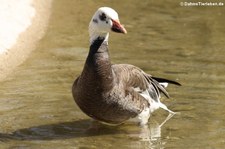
pixel 99 49
pixel 94 36
pixel 98 65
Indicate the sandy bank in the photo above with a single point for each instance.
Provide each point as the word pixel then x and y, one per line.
pixel 13 53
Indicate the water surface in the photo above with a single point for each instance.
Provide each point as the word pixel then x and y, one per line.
pixel 164 39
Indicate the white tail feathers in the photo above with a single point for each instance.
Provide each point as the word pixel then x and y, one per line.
pixel 164 84
pixel 161 105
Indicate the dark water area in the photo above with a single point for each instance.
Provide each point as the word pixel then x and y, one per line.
pixel 164 39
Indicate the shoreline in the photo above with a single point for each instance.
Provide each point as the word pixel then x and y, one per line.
pixel 27 40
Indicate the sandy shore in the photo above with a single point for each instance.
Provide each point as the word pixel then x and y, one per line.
pixel 13 55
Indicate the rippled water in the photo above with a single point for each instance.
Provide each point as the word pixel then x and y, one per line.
pixel 164 39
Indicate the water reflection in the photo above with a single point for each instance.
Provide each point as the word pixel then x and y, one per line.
pixel 148 134
pixel 152 132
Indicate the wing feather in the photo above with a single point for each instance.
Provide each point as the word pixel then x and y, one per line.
pixel 138 82
pixel 135 77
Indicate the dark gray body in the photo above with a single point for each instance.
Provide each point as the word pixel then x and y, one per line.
pixel 107 92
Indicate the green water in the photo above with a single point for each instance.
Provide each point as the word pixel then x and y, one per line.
pixel 164 39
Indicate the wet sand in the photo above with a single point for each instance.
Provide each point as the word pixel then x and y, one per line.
pixel 27 40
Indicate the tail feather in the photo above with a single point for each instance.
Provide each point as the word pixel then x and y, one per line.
pixel 161 105
pixel 162 80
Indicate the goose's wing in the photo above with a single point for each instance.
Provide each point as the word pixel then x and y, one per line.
pixel 132 76
pixel 141 83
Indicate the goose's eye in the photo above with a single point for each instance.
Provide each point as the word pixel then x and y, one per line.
pixel 102 17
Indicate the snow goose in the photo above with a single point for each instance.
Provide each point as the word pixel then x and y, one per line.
pixel 114 93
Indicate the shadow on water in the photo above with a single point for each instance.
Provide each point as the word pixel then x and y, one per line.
pixel 82 129
pixel 65 130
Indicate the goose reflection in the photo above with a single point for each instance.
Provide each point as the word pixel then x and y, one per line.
pixel 148 135
pixel 153 132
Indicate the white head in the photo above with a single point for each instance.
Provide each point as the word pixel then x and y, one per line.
pixel 103 21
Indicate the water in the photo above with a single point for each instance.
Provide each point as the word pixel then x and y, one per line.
pixel 164 39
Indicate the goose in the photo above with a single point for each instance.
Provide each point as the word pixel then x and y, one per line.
pixel 115 93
